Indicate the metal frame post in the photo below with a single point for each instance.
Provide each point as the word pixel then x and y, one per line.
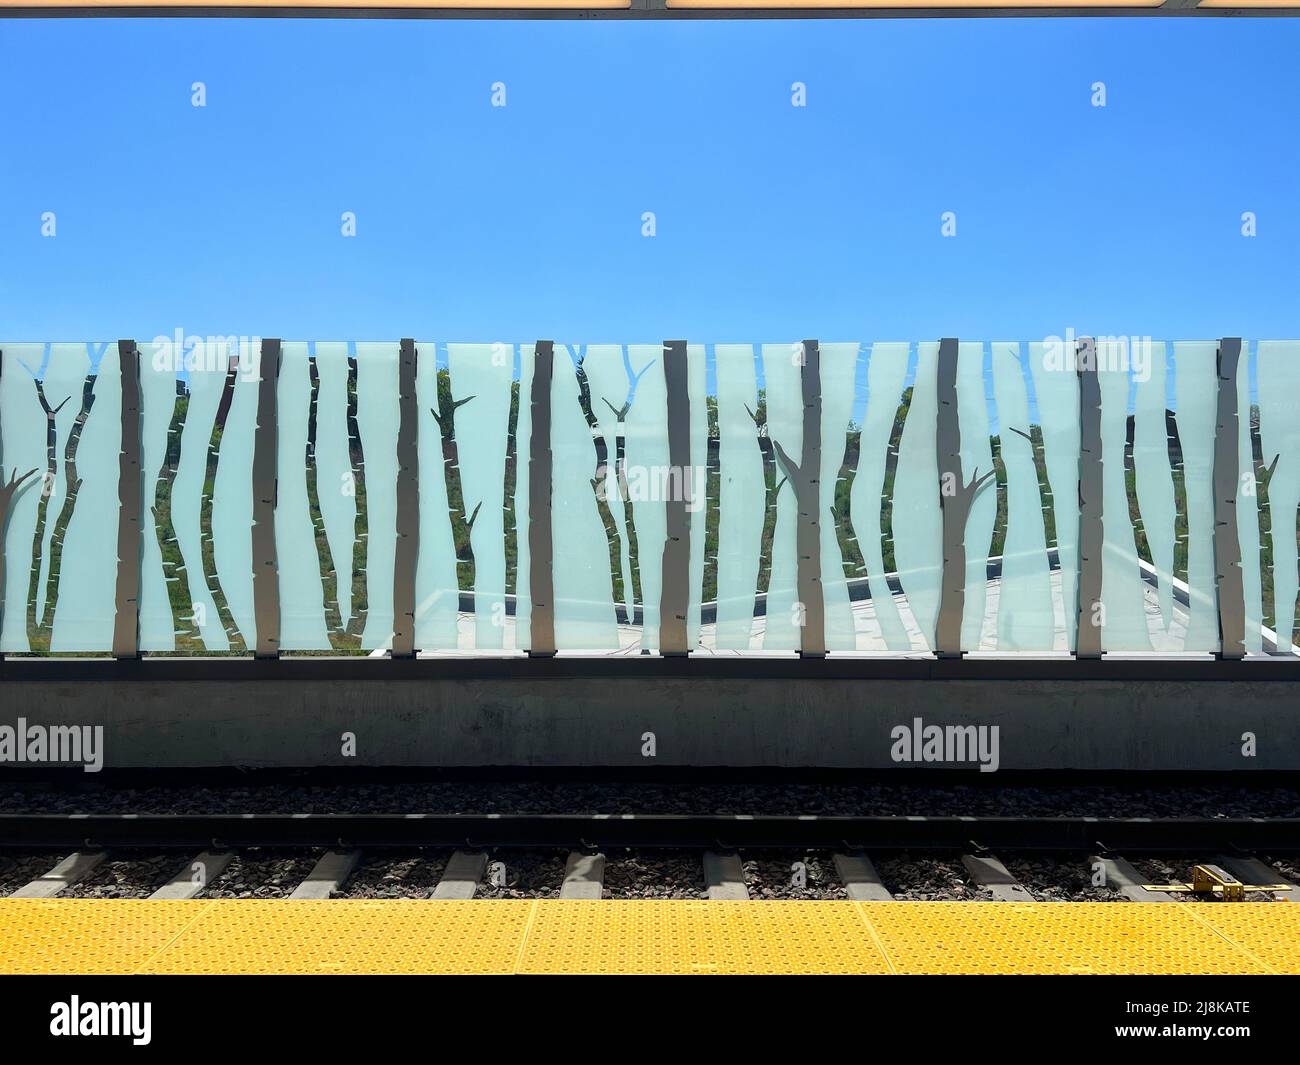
pixel 675 598
pixel 541 537
pixel 266 589
pixel 952 595
pixel 1092 535
pixel 1227 483
pixel 406 554
pixel 130 498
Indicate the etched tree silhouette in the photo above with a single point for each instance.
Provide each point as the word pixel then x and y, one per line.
pixel 343 633
pixel 9 492
pixel 184 620
pixel 37 635
pixel 957 499
pixel 462 524
pixel 578 354
pixel 772 488
pixel 629 553
pixel 210 576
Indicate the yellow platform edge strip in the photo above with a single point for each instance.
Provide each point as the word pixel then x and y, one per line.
pixel 549 936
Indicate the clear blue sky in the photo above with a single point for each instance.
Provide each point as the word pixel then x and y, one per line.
pixel 774 223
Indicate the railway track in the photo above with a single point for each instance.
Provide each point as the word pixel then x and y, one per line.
pixel 895 832
pixel 462 856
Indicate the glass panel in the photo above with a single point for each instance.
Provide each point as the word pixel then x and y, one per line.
pixel 917 522
pixel 839 372
pixel 1029 618
pixel 1055 382
pixel 979 620
pixel 436 588
pixel 881 625
pixel 1196 406
pixel 60 418
pixel 297 547
pixel 1278 374
pixel 742 497
pixel 585 555
pixel 1250 526
pixel 783 406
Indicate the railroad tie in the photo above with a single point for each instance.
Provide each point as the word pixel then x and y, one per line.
pixel 194 876
pixel 328 875
pixel 1253 871
pixel 74 867
pixel 584 876
pixel 861 881
pixel 1123 878
pixel 992 876
pixel 725 877
pixel 460 878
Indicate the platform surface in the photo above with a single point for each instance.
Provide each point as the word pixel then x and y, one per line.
pixel 95 936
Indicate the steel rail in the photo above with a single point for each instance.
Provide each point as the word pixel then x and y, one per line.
pixel 1191 834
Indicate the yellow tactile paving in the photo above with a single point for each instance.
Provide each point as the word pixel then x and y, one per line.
pixel 349 936
pixel 1268 932
pixel 1061 937
pixel 88 935
pixel 650 936
pixel 663 936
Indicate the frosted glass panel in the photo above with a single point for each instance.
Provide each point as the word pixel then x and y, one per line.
pixel 977 467
pixel 1029 617
pixel 875 556
pixel 1278 373
pixel 743 495
pixel 60 434
pixel 917 522
pixel 839 372
pixel 881 625
pixel 585 618
pixel 1196 406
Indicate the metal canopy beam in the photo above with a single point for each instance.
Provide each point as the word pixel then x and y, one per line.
pixel 640 9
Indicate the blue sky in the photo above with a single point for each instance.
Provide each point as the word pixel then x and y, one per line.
pixel 773 222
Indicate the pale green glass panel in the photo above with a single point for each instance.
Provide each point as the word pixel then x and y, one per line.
pixel 379 418
pixel 976 462
pixel 585 618
pixel 87 518
pixel 232 504
pixel 1278 376
pixel 23 451
pixel 881 625
pixel 917 518
pixel 1248 515
pixel 784 396
pixel 613 390
pixel 60 567
pixel 437 593
pixel 839 372
pixel 484 372
pixel 161 407
pixel 1055 380
pixel 647 460
pixel 1028 615
pixel 1154 485
pixel 1196 403
pixel 302 598
pixel 1123 590
pixel 340 489
pixel 742 495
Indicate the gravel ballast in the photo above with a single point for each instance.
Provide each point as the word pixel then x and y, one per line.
pixel 261 874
